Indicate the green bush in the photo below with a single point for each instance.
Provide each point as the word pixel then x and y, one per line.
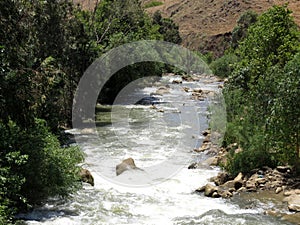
pixel 223 66
pixel 240 31
pixel 50 170
pixel 11 181
pixel 246 161
pixel 252 157
pixel 33 167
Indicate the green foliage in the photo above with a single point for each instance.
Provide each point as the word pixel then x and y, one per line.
pixel 273 40
pixel 45 47
pixel 153 4
pixel 116 22
pixel 34 167
pixel 246 161
pixel 207 57
pixel 240 31
pixel 110 26
pixel 55 170
pixel 262 92
pixel 11 180
pixel 223 66
pixel 167 28
pixel 44 52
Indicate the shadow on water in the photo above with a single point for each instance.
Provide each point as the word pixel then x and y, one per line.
pixel 45 214
pixel 102 108
pixel 102 123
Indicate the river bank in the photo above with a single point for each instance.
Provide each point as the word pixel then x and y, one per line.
pixel 277 186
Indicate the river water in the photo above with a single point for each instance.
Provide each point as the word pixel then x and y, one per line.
pixel 161 143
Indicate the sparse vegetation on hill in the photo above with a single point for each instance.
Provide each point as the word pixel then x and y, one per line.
pixel 205 25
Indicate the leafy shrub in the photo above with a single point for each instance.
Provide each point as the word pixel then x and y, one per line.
pixel 240 31
pixel 167 28
pixel 33 167
pixel 223 66
pixel 253 157
pixel 11 180
pixel 246 161
pixel 50 170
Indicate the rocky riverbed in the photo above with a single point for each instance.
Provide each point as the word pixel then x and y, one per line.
pixel 280 185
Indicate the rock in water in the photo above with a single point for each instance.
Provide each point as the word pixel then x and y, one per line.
pixel 209 190
pixel 86 176
pixel 127 164
pixel 148 101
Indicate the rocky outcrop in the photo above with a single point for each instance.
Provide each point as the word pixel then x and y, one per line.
pixel 86 176
pixel 263 179
pixel 279 181
pixel 223 187
pixel 127 164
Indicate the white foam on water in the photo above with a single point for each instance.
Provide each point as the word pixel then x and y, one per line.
pixel 130 198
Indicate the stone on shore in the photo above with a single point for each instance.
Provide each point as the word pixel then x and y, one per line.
pixel 293 202
pixel 220 179
pixel 278 190
pixel 209 190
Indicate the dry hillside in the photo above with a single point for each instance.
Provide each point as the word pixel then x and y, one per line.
pixel 207 24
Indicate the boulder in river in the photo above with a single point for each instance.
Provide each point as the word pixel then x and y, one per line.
pixel 86 176
pixel 127 164
pixel 210 190
pixel 148 101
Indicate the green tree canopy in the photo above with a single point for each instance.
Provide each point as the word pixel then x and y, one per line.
pixel 262 106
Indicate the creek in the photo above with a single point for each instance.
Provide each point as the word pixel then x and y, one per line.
pixel 161 142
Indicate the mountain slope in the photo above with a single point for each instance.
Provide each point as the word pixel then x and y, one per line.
pixel 206 25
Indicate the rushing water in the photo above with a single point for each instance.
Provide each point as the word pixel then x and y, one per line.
pixel 151 196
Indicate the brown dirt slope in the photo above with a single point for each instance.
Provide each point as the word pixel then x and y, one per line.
pixel 206 25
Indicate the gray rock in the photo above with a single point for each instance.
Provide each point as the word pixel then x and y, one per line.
pixel 200 189
pixel 225 194
pixel 283 169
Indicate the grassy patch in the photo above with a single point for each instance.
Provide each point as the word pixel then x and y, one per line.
pixel 153 4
